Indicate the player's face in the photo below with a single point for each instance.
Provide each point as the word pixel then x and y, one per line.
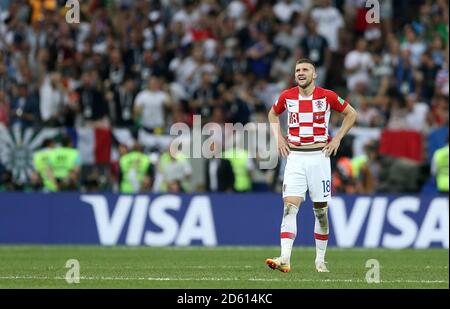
pixel 304 74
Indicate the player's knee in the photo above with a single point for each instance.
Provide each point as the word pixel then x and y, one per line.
pixel 290 209
pixel 294 200
pixel 321 216
pixel 291 206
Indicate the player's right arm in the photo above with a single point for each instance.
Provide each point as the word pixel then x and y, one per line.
pixel 274 113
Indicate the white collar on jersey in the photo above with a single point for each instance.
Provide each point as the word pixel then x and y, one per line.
pixel 300 97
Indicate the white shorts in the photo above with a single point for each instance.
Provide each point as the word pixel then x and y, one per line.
pixel 308 170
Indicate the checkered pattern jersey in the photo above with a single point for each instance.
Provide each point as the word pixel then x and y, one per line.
pixel 308 117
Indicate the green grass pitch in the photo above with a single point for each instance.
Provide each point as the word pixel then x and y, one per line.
pixel 219 267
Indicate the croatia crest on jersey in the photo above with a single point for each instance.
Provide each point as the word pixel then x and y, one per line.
pixel 319 105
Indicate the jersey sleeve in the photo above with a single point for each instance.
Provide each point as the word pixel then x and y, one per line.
pixel 280 104
pixel 336 102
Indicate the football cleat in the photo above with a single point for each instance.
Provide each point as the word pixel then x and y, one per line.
pixel 321 267
pixel 275 263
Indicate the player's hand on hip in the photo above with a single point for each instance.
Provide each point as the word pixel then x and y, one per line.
pixel 332 147
pixel 283 147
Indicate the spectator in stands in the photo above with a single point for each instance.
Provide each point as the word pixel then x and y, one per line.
pixel 289 33
pixel 121 103
pixel 150 105
pixel 439 168
pixel 149 66
pixel 205 98
pixel 437 50
pixel 427 71
pixel 284 10
pixel 259 54
pixel 437 138
pixel 397 112
pixel 405 78
pixel 282 66
pixel 42 166
pixel 35 184
pixel 173 173
pixel 5 81
pixel 398 175
pixel 368 116
pixel 218 172
pixel 239 105
pixel 358 64
pixel 266 92
pixel 24 108
pixel 65 165
pixel 441 79
pixel 185 64
pixel 315 47
pixel 416 46
pixel 242 166
pixel 116 70
pixel 440 109
pixel 417 114
pixel 244 48
pixel 381 73
pixel 4 109
pixel 136 171
pixel 366 168
pixel 329 22
pixel 6 181
pixel 342 176
pixel 53 97
pixel 92 104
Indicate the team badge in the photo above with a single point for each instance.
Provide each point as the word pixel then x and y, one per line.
pixel 319 104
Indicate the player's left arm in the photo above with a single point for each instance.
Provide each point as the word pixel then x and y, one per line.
pixel 349 120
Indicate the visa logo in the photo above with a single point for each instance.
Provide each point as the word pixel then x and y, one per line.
pixel 398 215
pixel 196 224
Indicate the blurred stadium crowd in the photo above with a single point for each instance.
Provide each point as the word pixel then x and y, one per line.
pixel 142 65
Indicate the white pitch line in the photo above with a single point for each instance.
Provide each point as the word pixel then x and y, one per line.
pixel 190 267
pixel 101 278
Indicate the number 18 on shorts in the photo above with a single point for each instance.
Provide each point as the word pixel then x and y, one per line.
pixel 308 171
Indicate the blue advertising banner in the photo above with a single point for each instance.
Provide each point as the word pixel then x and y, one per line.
pixel 389 221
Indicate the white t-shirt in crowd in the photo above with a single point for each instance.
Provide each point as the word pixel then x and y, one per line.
pixel 364 61
pixel 365 117
pixel 283 10
pixel 188 19
pixel 152 104
pixel 416 49
pixel 51 100
pixel 417 118
pixel 183 69
pixel 328 21
pixel 235 9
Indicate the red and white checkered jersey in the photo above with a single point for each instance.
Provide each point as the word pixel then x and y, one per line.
pixel 308 117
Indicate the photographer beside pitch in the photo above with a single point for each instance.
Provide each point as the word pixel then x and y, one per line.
pixel 308 148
